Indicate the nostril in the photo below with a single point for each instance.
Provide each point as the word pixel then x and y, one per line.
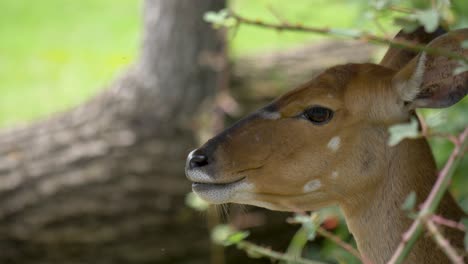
pixel 197 159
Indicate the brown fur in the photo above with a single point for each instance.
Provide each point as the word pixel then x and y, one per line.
pixel 346 161
pixel 280 156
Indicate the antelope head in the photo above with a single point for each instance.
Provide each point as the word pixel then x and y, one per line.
pixel 324 142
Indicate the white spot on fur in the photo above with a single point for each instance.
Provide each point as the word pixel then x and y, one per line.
pixel 334 174
pixel 312 186
pixel 334 143
pixel 269 115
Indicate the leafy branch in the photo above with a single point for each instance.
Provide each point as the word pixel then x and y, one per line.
pixel 343 244
pixel 432 201
pixel 229 18
pixel 226 235
pixel 251 248
pixel 311 225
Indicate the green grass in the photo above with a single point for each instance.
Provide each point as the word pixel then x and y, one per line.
pixel 55 54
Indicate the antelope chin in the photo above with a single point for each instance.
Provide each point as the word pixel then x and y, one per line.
pixel 215 189
pixel 219 193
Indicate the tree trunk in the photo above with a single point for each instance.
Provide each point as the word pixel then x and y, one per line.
pixel 104 183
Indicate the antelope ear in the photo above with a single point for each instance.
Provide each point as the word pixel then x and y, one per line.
pixel 428 81
pixel 395 58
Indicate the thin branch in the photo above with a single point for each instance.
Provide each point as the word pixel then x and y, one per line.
pixel 343 244
pixel 346 246
pixel 445 175
pixel 426 131
pixel 251 248
pixel 431 203
pixel 443 243
pixel 423 124
pixel 363 36
pixel 447 222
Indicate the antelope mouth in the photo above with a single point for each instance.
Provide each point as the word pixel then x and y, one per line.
pixel 219 193
pixel 214 185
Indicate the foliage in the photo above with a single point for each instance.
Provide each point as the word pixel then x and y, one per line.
pixel 401 131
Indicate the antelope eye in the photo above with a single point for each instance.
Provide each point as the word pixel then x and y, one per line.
pixel 318 115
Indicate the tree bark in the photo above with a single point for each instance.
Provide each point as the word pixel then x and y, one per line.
pixel 104 183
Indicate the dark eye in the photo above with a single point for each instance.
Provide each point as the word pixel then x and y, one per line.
pixel 318 115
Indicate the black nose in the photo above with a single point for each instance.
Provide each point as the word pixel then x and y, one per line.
pixel 197 159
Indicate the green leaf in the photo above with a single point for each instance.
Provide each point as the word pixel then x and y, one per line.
pixel 215 17
pixel 465 223
pixel 226 235
pixel 220 18
pixel 252 253
pixel 436 119
pixel 221 233
pixel 193 201
pixel 237 237
pixel 298 242
pixel 408 24
pixel 309 223
pixel 401 131
pixel 428 18
pixel 410 202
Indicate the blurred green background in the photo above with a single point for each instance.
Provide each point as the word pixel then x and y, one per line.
pixel 55 54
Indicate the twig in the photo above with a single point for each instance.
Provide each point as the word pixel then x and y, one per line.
pixel 254 249
pixel 423 124
pixel 430 204
pixel 426 132
pixel 399 43
pixel 447 222
pixel 322 231
pixel 443 243
pixel 343 244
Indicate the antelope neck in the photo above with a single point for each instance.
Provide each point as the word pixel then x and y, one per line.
pixel 377 220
